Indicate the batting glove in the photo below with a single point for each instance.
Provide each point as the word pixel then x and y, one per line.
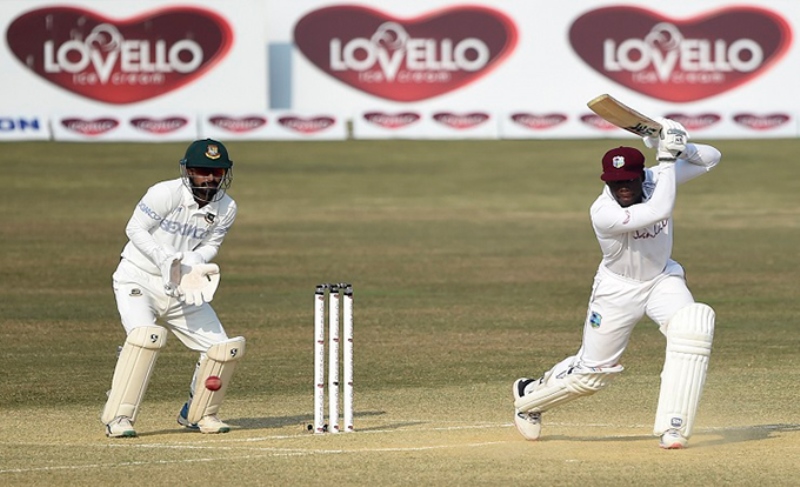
pixel 672 141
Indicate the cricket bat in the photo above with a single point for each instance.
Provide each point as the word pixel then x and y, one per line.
pixel 624 116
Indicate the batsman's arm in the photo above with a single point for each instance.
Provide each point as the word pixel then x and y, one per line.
pixel 609 218
pixel 696 161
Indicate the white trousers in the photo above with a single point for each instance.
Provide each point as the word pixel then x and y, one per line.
pixel 141 302
pixel 615 307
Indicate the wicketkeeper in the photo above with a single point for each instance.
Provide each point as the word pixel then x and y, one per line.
pixel 166 275
pixel 632 220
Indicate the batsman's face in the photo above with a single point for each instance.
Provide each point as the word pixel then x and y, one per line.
pixel 627 192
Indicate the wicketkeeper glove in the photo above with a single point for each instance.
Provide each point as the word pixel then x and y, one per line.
pixel 199 283
pixel 171 275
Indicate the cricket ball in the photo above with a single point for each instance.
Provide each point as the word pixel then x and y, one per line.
pixel 213 383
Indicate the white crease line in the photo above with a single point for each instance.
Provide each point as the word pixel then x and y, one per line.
pixel 274 452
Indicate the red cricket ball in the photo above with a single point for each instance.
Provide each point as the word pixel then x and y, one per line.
pixel 213 383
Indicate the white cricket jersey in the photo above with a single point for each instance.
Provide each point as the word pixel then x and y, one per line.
pixel 168 220
pixel 637 241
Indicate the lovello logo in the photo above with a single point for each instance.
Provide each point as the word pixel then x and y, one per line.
pixel 306 125
pixel 681 60
pixel 761 122
pixel 461 121
pixel 695 122
pixel 90 127
pixel 159 126
pixel 392 120
pixel 238 125
pixel 596 121
pixel 535 121
pixel 119 61
pixel 405 60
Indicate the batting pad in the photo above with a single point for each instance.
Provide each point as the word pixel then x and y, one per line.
pixel 689 336
pixel 555 391
pixel 132 373
pixel 220 360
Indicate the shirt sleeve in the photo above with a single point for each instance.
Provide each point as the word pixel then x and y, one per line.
pixel 609 218
pixel 209 247
pixel 148 214
pixel 696 161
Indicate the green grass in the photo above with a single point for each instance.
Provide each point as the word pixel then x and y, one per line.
pixel 472 263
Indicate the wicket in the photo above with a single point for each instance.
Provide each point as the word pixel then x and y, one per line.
pixel 333 291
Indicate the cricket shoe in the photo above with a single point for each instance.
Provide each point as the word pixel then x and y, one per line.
pixel 673 440
pixel 183 418
pixel 209 424
pixel 528 424
pixel 120 427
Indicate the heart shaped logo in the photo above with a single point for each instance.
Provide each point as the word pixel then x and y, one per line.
pixel 306 125
pixel 681 60
pixel 406 60
pixel 392 120
pixel 238 125
pixel 119 61
pixel 90 127
pixel 694 122
pixel 598 122
pixel 461 122
pixel 538 122
pixel 761 122
pixel 159 126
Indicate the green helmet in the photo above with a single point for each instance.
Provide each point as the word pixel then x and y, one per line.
pixel 207 154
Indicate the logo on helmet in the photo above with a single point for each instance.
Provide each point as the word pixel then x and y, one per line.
pixel 212 152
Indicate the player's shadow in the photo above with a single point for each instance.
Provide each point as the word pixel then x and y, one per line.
pixel 284 421
pixel 701 438
pixel 301 421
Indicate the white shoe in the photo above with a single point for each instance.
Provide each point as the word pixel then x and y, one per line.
pixel 673 440
pixel 211 424
pixel 528 424
pixel 120 427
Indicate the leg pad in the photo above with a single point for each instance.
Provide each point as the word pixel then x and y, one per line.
pixel 219 361
pixel 552 391
pixel 689 336
pixel 132 373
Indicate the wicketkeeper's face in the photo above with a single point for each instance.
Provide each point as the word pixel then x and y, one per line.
pixel 627 192
pixel 205 181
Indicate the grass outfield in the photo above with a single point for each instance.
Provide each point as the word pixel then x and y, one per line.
pixel 472 263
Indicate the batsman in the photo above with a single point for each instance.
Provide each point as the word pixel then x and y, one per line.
pixel 632 220
pixel 166 275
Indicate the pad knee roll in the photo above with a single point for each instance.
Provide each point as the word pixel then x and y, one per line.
pixel 555 391
pixel 690 334
pixel 133 370
pixel 219 361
